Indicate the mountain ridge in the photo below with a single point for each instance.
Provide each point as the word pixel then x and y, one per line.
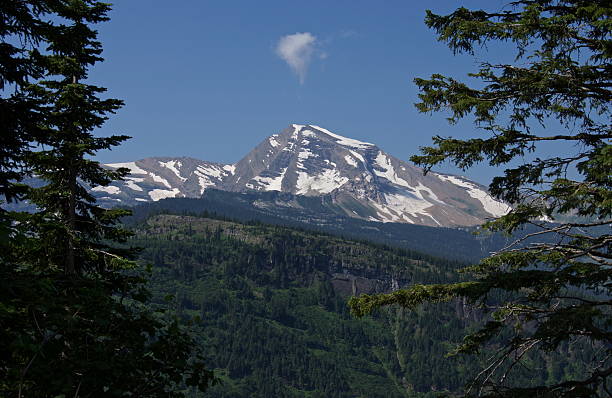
pixel 362 180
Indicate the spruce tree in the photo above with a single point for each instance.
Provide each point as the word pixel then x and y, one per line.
pixel 74 308
pixel 72 110
pixel 19 64
pixel 556 278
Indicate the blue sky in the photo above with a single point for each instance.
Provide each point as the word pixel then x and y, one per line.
pixel 204 78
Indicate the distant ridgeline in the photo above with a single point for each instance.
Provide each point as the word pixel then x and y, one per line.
pixel 269 307
pixel 318 213
pixel 313 213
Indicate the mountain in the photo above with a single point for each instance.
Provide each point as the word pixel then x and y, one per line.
pixel 360 180
pixel 152 179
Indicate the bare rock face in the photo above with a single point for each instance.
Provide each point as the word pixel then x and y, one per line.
pixel 357 179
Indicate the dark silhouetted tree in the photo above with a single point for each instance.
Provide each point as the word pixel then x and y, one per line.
pixel 73 306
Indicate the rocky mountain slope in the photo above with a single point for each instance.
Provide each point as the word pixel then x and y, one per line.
pixel 361 180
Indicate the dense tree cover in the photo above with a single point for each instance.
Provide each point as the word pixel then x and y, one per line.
pixel 451 243
pixel 73 318
pixel 556 90
pixel 270 306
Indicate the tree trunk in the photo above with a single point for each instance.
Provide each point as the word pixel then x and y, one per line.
pixel 70 263
pixel 70 266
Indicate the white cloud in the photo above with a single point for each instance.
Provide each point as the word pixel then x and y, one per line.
pixel 297 50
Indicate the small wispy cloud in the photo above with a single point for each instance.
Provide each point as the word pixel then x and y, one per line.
pixel 297 50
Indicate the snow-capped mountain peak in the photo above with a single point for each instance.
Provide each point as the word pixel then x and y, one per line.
pixel 344 140
pixel 360 179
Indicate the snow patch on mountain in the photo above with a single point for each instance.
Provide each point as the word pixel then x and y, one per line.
pixel 128 165
pixel 398 207
pixel 206 174
pixel 344 140
pixel 159 179
pixel 357 155
pixel 330 163
pixel 212 171
pixel 350 160
pixel 273 142
pixel 389 173
pixel 272 183
pixel 296 131
pixel 204 179
pixel 490 205
pixel 113 190
pixel 204 182
pixel 130 182
pixel 431 195
pixel 323 183
pixel 172 166
pixel 306 153
pixel 157 194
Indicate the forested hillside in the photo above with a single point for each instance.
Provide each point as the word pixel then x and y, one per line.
pixel 269 307
pixel 314 213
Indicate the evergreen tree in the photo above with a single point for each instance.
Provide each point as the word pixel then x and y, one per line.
pixel 73 110
pixel 19 63
pixel 558 277
pixel 73 313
